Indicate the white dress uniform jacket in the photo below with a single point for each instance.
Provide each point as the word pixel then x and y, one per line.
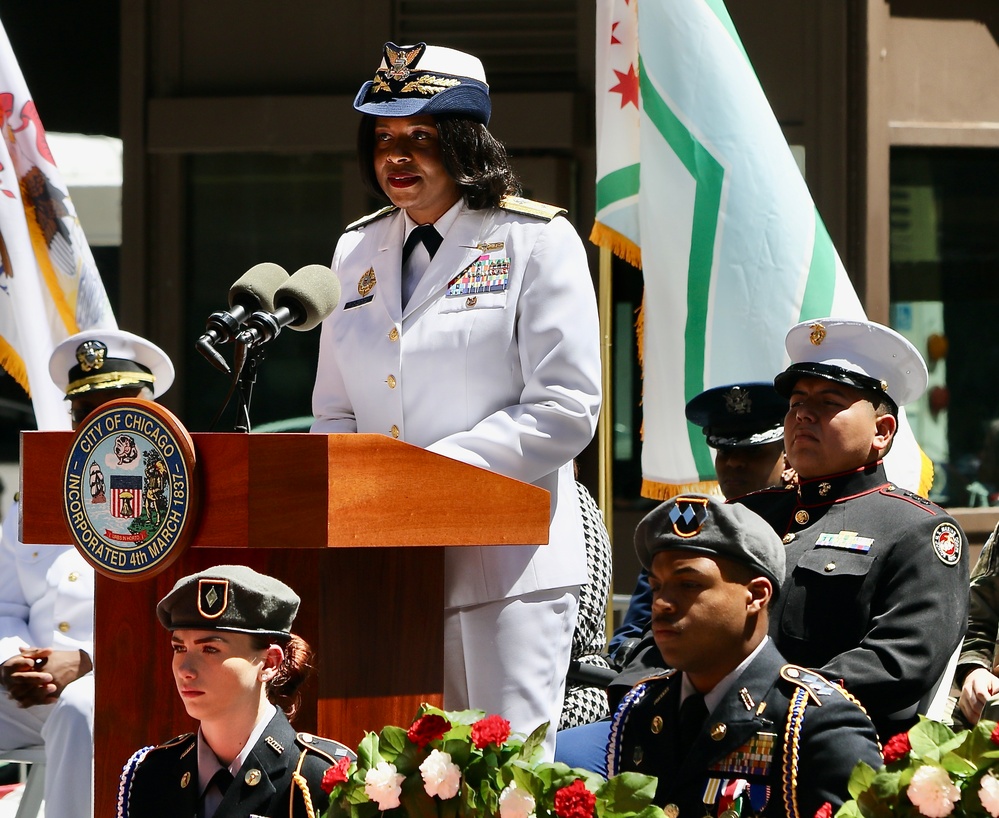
pixel 508 380
pixel 46 595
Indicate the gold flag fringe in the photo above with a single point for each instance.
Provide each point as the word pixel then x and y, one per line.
pixel 13 365
pixel 925 473
pixel 619 244
pixel 666 491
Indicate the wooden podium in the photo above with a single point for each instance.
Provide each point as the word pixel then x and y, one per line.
pixel 354 523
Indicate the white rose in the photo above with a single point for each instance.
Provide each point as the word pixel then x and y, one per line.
pixel 383 785
pixel 932 791
pixel 440 776
pixel 516 803
pixel 989 794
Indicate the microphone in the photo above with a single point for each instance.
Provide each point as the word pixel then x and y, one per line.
pixel 301 303
pixel 252 291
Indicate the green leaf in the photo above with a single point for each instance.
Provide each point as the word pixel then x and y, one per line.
pixel 415 801
pixel 861 778
pixel 392 742
pixel 850 809
pixel 367 753
pixel 927 737
pixel 627 793
pixel 957 765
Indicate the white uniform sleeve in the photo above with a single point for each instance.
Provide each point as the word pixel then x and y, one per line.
pixel 14 606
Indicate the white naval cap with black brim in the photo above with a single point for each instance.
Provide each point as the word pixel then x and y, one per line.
pixel 426 80
pixel 861 354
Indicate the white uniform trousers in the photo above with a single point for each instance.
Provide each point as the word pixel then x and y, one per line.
pixel 511 657
pixel 66 728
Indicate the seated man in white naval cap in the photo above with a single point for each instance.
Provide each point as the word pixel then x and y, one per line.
pixel 47 592
pixel 876 594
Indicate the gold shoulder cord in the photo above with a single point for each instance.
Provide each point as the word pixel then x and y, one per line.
pixel 850 697
pixel 792 735
pixel 299 780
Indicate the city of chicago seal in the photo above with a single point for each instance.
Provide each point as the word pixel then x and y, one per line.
pixel 128 492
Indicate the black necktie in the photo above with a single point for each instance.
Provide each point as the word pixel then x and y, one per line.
pixel 693 714
pixel 426 233
pixel 221 781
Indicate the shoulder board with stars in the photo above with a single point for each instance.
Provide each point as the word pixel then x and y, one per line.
pixel 326 747
pixel 815 685
pixel 371 217
pixel 526 207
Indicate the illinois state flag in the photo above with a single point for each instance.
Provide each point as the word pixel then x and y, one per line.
pixel 697 186
pixel 49 284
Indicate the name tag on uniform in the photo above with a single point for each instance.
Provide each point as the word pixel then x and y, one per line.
pixel 484 275
pixel 847 540
pixel 358 302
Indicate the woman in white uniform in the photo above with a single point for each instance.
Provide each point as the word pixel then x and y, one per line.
pixel 478 341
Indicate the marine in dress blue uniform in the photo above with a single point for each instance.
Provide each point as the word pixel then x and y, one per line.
pixel 877 588
pixel 482 346
pixel 771 738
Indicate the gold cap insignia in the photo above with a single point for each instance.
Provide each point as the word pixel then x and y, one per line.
pixel 91 355
pixel 818 334
pixel 737 401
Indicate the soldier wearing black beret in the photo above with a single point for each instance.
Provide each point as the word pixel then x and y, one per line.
pixel 877 586
pixel 731 725
pixel 235 658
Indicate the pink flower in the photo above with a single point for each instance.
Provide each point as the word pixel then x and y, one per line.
pixel 989 794
pixel 490 730
pixel 825 811
pixel 575 801
pixel 337 774
pixel 932 792
pixel 426 729
pixel 898 746
pixel 516 803
pixel 440 776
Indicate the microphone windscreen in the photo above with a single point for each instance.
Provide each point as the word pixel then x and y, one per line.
pixel 313 291
pixel 255 289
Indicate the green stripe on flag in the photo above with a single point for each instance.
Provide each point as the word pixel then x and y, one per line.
pixel 708 175
pixel 821 285
pixel 617 185
pixel 719 10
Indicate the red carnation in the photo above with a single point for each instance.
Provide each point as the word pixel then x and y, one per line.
pixel 426 729
pixel 490 730
pixel 337 774
pixel 995 735
pixel 898 746
pixel 575 801
pixel 825 811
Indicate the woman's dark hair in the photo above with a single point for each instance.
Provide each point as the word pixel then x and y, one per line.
pixel 283 689
pixel 471 155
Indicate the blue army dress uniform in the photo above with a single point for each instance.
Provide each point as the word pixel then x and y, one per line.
pixel 782 742
pixel 162 782
pixel 877 589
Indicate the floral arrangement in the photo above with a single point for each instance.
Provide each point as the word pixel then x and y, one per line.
pixel 932 772
pixel 465 764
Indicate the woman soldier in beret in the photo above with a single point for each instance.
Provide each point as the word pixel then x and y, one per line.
pixel 238 669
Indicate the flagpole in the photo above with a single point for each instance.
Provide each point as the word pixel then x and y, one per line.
pixel 605 426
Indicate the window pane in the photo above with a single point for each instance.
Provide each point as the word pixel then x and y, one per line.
pixel 945 296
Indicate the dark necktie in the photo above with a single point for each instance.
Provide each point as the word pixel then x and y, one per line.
pixel 426 233
pixel 221 781
pixel 693 714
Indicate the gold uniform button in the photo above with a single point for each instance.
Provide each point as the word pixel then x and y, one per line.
pixel 719 730
pixel 830 566
pixel 252 777
pixel 390 380
pixel 471 301
pixel 671 811
pixel 394 334
pixel 73 576
pixel 657 724
pixel 64 627
pixel 394 430
pixel 801 517
pixel 185 779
